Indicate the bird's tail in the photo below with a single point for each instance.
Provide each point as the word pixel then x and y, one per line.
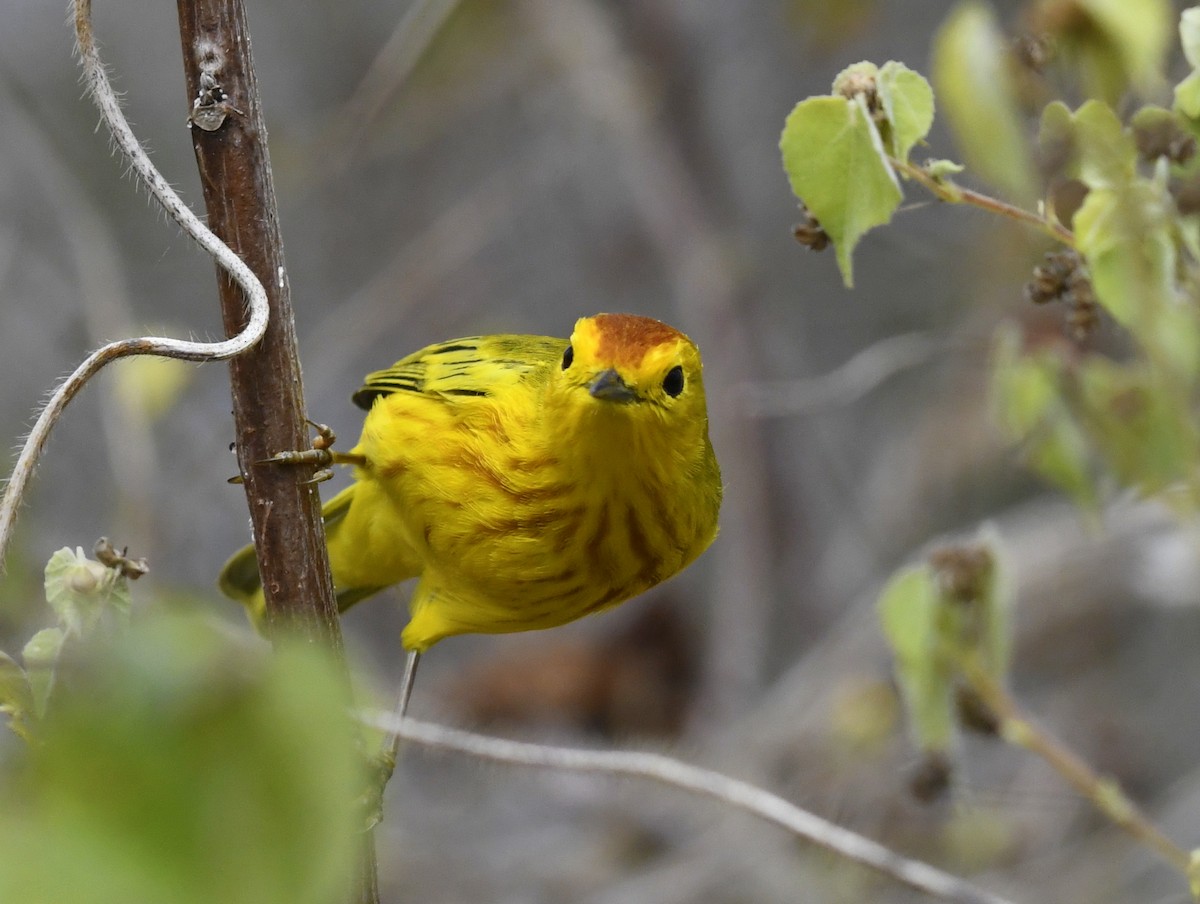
pixel 241 581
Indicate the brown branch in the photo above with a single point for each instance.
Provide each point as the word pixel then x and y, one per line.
pixel 268 404
pixel 229 137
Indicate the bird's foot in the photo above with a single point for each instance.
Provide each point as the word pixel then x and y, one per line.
pixel 321 454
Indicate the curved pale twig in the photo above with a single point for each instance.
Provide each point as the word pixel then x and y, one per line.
pixel 101 91
pixel 675 773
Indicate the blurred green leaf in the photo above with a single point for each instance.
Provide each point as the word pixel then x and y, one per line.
pixel 41 657
pixel 908 611
pixel 1028 398
pixel 1124 232
pixel 1107 155
pixel 1125 226
pixel 907 103
pixel 1091 144
pixel 975 91
pixel 1147 440
pixel 837 166
pixel 1187 96
pixel 1112 45
pixel 1137 34
pixel 1187 92
pixel 1024 390
pixel 187 769
pixel 150 385
pixel 1189 35
pixel 16 696
pixel 1060 453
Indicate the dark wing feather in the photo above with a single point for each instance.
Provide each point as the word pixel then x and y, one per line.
pixel 462 368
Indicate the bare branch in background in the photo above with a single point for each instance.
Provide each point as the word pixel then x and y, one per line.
pixel 389 70
pixel 705 782
pixel 844 385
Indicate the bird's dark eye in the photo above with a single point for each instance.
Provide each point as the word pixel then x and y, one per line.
pixel 673 381
pixel 568 357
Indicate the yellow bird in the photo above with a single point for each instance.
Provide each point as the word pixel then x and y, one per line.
pixel 527 481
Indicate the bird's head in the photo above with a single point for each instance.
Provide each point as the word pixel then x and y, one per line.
pixel 624 366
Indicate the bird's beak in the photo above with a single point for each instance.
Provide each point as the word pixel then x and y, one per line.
pixel 609 386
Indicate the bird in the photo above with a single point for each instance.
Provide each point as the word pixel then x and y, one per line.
pixel 526 481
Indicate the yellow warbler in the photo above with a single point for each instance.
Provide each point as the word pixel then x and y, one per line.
pixel 526 480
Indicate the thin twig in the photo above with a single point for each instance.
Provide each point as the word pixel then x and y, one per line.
pixel 948 191
pixel 842 386
pixel 733 792
pixel 98 86
pixel 410 39
pixel 1104 793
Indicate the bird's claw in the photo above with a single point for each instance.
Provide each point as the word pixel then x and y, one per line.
pixel 321 454
pixel 314 456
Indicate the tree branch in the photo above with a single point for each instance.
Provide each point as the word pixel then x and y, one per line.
pixel 229 137
pixel 730 791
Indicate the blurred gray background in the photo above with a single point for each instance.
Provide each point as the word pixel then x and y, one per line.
pixel 448 169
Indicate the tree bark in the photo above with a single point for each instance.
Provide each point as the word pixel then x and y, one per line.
pixel 229 137
pixel 268 401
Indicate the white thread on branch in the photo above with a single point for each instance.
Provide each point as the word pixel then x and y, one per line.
pixel 101 91
pixel 730 791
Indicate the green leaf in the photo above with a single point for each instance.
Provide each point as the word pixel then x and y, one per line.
pixel 1176 339
pixel 837 166
pixel 1124 233
pixel 909 614
pixel 1187 96
pixel 82 591
pixel 177 765
pixel 1189 35
pixel 1138 34
pixel 1056 138
pixel 907 102
pixel 1024 390
pixel 1027 396
pixel 976 93
pixel 1107 155
pixel 1091 144
pixel 1061 453
pixel 41 658
pixel 1147 440
pixel 16 696
pixel 1187 92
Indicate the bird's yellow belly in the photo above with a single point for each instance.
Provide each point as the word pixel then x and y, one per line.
pixel 508 565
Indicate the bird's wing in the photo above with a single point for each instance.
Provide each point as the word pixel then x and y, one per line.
pixel 467 368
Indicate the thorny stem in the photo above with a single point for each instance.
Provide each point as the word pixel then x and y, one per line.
pixel 98 86
pixel 1104 793
pixel 948 191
